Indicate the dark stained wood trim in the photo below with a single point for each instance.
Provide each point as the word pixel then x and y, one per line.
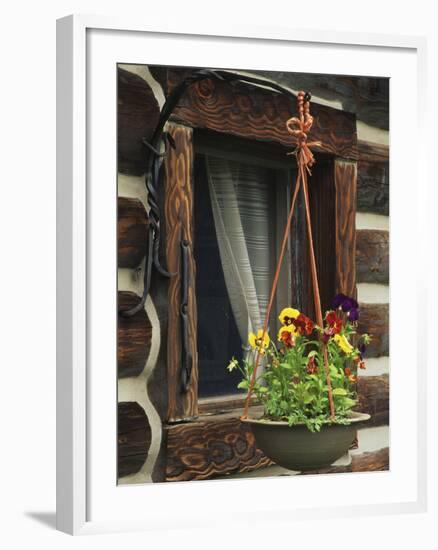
pixel 373 394
pixel 374 319
pixel 133 438
pixel 257 114
pixel 137 115
pixel 132 228
pixel 134 336
pixel 178 210
pixel 345 237
pixel 212 446
pixel 372 256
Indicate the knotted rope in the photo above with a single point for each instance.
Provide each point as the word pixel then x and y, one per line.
pixel 298 127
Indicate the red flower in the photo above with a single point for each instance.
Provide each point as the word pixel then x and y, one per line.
pixel 303 324
pixel 311 366
pixel 347 371
pixel 362 365
pixel 334 323
pixel 287 338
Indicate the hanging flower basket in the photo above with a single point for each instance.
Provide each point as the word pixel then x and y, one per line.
pixel 308 382
pixel 297 448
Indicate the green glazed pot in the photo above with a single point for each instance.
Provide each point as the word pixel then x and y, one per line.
pixel 297 448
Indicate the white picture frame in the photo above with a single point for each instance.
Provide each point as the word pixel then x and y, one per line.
pixel 88 499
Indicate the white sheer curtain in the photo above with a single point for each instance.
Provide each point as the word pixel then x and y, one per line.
pixel 240 199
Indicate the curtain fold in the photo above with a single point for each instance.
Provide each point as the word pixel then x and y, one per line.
pixel 240 199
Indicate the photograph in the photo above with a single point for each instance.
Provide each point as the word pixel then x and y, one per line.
pixel 253 274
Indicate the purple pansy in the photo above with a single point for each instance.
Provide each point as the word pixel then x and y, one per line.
pixel 353 314
pixel 345 302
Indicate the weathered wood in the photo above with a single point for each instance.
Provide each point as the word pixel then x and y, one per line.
pixel 372 256
pixel 134 335
pixel 373 187
pixel 179 227
pixel 374 461
pixel 373 178
pixel 137 116
pixel 374 320
pixel 132 226
pixel 133 438
pixel 258 114
pixel 323 199
pixel 345 236
pixel 212 446
pixel 373 394
pixel 372 152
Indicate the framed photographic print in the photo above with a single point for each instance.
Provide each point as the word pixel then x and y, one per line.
pixel 238 229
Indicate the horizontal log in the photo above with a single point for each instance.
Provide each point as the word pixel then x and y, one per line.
pixel 211 446
pixel 373 187
pixel 374 320
pixel 372 256
pixel 137 115
pixel 134 335
pixel 372 152
pixel 258 114
pixel 132 226
pixel 373 395
pixel 133 438
pixel 374 461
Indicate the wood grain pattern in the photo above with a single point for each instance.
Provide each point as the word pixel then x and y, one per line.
pixel 323 202
pixel 372 256
pixel 133 438
pixel 374 461
pixel 212 447
pixel 134 335
pixel 373 187
pixel 258 114
pixel 132 227
pixel 372 152
pixel 178 210
pixel 374 319
pixel 373 178
pixel 137 115
pixel 373 394
pixel 345 212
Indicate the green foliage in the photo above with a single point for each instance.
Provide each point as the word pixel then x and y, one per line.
pixel 292 383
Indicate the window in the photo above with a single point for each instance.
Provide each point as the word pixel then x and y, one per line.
pixel 240 209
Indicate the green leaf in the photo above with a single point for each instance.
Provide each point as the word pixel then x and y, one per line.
pixel 340 391
pixel 307 398
pixel 243 385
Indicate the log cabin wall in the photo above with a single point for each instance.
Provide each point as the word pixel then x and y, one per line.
pixel 144 441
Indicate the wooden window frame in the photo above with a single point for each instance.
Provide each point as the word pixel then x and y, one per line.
pixel 241 112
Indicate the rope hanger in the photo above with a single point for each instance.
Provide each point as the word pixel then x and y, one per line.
pixel 298 127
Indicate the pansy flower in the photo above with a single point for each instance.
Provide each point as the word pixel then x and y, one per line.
pixel 334 323
pixel 346 303
pixel 303 324
pixel 259 341
pixel 353 314
pixel 288 315
pixel 343 343
pixel 286 335
pixel 311 367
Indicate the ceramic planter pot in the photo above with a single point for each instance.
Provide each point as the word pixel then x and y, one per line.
pixel 297 448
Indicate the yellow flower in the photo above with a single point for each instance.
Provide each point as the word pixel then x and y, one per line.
pixel 259 341
pixel 343 343
pixel 287 315
pixel 291 329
